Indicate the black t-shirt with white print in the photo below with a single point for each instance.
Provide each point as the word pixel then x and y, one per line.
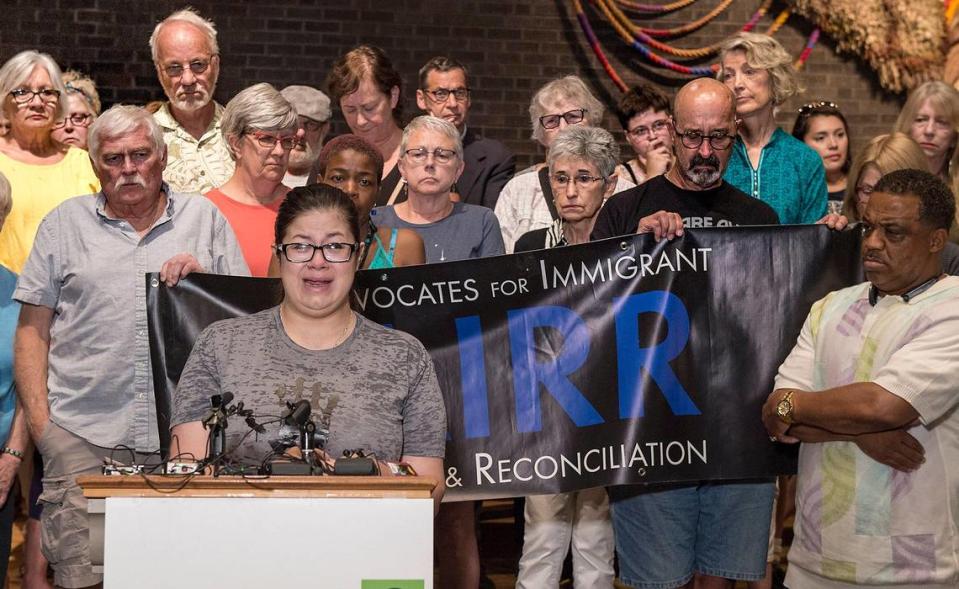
pixel 723 206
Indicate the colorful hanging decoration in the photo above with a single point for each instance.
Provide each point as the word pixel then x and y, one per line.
pixel 904 41
pixel 645 41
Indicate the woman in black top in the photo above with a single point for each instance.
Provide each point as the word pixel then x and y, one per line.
pixel 582 175
pixel 582 162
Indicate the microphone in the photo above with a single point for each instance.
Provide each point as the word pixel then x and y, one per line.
pixel 298 413
pixel 225 399
pixel 253 425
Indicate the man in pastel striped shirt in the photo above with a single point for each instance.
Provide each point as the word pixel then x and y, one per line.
pixel 871 391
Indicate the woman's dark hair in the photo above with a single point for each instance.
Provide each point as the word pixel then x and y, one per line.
pixel 366 60
pixel 639 99
pixel 346 143
pixel 315 197
pixel 820 109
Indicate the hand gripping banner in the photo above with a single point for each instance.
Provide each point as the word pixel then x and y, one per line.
pixel 615 362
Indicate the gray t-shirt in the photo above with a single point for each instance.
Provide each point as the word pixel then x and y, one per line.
pixel 377 391
pixel 468 232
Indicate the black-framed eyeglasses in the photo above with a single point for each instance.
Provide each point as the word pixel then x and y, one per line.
pixel 720 140
pixel 334 252
pixel 443 94
pixel 584 180
pixel 572 117
pixel 440 155
pixel 655 128
pixel 25 95
pixel 77 119
pixel 197 66
pixel 269 141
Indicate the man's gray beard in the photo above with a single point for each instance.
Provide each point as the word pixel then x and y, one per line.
pixel 302 161
pixel 193 106
pixel 190 105
pixel 703 179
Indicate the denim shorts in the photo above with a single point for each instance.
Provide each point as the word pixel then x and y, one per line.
pixel 666 533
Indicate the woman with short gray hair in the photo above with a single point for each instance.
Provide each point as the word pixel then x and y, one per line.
pixel 526 202
pixel 42 173
pixel 261 129
pixel 582 173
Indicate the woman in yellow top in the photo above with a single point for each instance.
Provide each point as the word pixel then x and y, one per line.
pixel 42 172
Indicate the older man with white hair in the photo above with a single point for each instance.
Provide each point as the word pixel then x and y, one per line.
pixel 187 60
pixel 82 358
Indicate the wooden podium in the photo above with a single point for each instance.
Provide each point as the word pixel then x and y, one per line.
pixel 236 532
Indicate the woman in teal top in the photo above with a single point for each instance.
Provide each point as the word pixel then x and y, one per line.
pixel 355 167
pixel 13 431
pixel 768 163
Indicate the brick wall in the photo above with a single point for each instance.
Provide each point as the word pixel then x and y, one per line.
pixel 512 47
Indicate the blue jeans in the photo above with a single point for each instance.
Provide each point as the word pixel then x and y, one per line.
pixel 666 533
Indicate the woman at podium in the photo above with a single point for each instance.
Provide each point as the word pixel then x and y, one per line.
pixel 370 388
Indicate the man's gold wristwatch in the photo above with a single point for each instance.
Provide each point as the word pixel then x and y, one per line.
pixel 784 408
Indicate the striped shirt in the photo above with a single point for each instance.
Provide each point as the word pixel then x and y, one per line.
pixel 859 522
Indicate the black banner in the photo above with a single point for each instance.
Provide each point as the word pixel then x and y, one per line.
pixel 614 362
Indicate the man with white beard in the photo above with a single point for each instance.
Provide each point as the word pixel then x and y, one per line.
pixel 187 60
pixel 313 114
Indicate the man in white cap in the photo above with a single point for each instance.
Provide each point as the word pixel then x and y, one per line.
pixel 313 112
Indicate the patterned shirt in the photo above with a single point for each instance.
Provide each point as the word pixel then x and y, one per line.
pixel 194 166
pixel 859 522
pixel 790 178
pixel 89 268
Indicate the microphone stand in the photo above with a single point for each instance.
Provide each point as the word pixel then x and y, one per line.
pixel 216 422
pixel 306 443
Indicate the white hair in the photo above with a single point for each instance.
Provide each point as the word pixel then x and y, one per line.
pixel 431 123
pixel 570 88
pixel 19 67
pixel 121 120
pixel 260 107
pixel 191 16
pixel 591 144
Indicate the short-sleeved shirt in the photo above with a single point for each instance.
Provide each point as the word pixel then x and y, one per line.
pixel 521 207
pixel 89 268
pixel 723 206
pixel 858 521
pixel 194 165
pixel 469 231
pixel 790 178
pixel 9 313
pixel 254 226
pixel 376 392
pixel 36 190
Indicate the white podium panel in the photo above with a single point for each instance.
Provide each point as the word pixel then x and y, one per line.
pixel 256 542
pixel 238 532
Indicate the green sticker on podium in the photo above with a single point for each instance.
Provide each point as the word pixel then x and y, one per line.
pixel 393 584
